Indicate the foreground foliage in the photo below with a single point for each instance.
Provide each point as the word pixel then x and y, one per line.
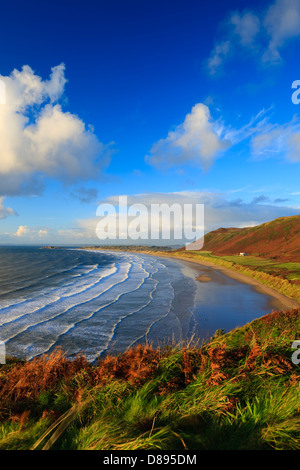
pixel 239 391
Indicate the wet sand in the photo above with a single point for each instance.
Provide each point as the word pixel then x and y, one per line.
pixel 206 299
pixel 203 278
pixel 280 301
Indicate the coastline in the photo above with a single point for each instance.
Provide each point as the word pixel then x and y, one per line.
pixel 286 302
pixel 71 402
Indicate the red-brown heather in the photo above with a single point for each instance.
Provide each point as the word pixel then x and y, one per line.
pixel 278 239
pixel 22 382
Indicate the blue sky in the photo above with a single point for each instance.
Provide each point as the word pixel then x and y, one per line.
pixel 159 100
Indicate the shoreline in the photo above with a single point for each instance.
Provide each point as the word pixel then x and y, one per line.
pixel 287 302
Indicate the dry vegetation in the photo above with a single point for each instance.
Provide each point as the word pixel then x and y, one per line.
pixel 278 239
pixel 239 391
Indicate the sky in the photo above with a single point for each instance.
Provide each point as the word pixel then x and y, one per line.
pixel 185 102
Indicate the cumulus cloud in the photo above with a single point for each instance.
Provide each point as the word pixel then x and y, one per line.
pixel 38 138
pixel 198 140
pixel 22 230
pixel 28 234
pixel 43 232
pixel 220 210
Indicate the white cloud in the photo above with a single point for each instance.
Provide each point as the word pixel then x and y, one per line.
pixel 22 230
pixel 30 234
pixel 242 31
pixel 25 89
pixel 200 140
pixel 282 23
pixel 293 142
pixel 265 32
pixel 43 232
pixel 220 210
pixel 197 140
pixel 38 138
pixel 267 139
pixel 5 211
pixel 218 56
pixel 246 27
pixel 278 140
pixel 257 124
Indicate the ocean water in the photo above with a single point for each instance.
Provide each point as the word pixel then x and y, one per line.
pixel 97 302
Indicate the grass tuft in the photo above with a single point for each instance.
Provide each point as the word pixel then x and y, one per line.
pixel 241 390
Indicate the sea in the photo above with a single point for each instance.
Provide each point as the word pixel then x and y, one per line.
pixel 98 302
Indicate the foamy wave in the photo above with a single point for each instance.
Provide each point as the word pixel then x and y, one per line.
pixel 93 310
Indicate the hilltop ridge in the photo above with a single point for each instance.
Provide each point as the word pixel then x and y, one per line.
pixel 278 239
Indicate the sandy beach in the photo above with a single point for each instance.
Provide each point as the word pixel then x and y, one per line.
pixel 282 301
pixel 285 301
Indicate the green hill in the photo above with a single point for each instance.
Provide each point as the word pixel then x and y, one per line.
pixel 278 239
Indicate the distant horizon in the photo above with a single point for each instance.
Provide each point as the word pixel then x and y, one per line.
pixel 162 102
pixel 126 243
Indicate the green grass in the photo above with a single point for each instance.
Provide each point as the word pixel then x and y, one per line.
pixel 252 261
pixel 282 277
pixel 239 391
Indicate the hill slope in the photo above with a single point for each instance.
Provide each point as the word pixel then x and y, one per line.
pixel 278 239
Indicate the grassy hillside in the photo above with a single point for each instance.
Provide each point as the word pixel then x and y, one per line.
pixel 239 391
pixel 279 239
